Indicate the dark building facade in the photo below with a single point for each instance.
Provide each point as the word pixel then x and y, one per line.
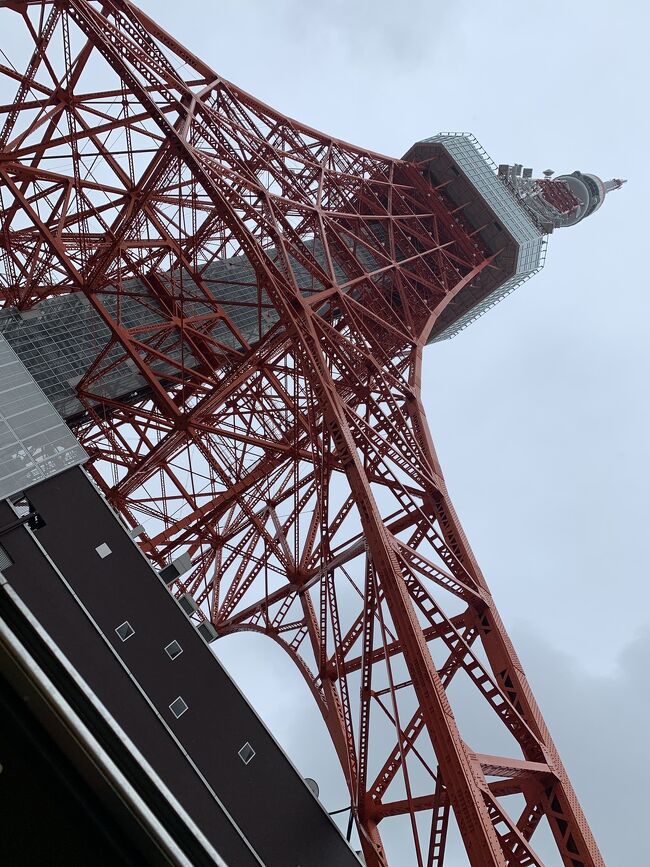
pixel 124 739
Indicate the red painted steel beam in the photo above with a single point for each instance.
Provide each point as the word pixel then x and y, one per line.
pixel 292 461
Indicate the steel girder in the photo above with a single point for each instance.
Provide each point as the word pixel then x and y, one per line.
pixel 296 468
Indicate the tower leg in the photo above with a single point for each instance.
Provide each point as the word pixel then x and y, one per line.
pixel 464 786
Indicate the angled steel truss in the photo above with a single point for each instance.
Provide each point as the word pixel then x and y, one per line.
pixel 291 459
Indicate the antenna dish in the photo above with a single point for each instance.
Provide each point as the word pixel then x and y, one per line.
pixel 312 785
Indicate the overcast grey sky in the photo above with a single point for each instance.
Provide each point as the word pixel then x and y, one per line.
pixel 539 410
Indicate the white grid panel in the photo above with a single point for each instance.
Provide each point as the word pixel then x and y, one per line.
pixel 35 443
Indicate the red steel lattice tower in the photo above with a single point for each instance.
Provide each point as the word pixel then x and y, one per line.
pixel 254 298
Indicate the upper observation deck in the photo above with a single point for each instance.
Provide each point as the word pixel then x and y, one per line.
pixel 508 210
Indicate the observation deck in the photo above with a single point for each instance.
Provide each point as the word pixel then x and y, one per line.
pixel 457 165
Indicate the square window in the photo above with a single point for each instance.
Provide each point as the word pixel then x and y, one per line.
pixel 103 550
pixel 246 753
pixel 178 707
pixel 125 630
pixel 173 649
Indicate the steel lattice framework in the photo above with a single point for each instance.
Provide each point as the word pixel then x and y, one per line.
pixel 295 467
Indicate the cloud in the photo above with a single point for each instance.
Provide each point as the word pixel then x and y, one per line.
pixel 599 723
pixel 370 30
